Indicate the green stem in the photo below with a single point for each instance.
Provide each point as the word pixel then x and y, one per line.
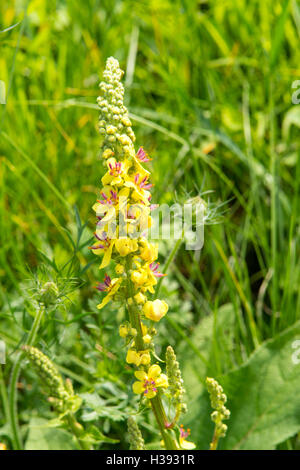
pixel 214 442
pixel 160 416
pixel 13 407
pixel 156 403
pixel 4 396
pixel 77 430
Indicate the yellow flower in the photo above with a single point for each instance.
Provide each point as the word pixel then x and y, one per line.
pixel 104 246
pixel 138 357
pixel 2 446
pixel 144 277
pixel 184 444
pixel 148 383
pixel 116 172
pixel 139 277
pixel 126 245
pixel 110 286
pixel 155 310
pixel 148 251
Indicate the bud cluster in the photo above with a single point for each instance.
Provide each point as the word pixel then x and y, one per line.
pixel 218 400
pixel 175 380
pixel 114 122
pixel 61 393
pixel 134 435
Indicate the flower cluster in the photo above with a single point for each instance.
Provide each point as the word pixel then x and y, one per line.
pixel 123 214
pixel 218 400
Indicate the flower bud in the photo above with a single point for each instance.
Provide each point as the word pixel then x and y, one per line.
pixel 155 310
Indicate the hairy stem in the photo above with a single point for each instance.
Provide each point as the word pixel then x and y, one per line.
pixel 156 402
pixel 160 416
pixel 13 406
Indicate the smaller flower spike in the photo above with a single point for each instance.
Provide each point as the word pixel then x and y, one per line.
pixel 176 383
pixel 134 434
pixel 218 400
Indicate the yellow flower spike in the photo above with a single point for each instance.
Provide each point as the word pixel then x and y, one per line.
pixel 155 310
pixel 149 382
pixel 120 220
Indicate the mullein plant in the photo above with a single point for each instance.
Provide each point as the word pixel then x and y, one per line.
pixel 123 216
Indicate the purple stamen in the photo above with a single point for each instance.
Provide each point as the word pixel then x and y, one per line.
pixel 154 268
pixel 142 155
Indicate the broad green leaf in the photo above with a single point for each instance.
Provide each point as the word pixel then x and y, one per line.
pixel 43 437
pixel 263 397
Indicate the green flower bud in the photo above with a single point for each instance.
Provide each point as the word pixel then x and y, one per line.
pixel 113 112
pixel 48 293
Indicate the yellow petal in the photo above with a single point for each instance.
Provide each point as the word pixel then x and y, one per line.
pixel 150 394
pixel 107 256
pixel 162 381
pixel 140 374
pixel 138 388
pixel 154 371
pixel 186 445
pixel 104 302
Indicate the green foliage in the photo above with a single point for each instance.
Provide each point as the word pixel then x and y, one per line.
pixel 262 398
pixel 43 437
pixel 212 106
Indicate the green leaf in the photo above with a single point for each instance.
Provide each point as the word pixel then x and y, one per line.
pixel 94 436
pixel 100 408
pixel 262 396
pixel 43 437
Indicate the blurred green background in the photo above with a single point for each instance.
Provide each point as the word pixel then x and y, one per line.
pixel 209 88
